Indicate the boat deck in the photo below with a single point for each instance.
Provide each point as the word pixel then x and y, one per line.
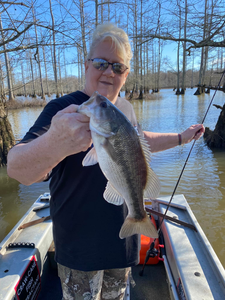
pixel 152 285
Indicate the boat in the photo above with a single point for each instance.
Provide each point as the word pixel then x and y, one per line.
pixel 187 268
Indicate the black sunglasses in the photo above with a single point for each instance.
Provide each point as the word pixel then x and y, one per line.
pixel 101 65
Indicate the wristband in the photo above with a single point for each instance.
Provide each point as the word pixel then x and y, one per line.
pixel 179 139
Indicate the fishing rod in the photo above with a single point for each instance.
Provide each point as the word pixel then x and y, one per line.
pixel 151 251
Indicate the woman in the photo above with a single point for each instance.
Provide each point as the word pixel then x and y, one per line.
pixel 93 262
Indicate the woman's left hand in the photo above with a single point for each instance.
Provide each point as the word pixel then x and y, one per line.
pixel 194 132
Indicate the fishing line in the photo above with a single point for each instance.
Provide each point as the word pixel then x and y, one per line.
pixel 182 171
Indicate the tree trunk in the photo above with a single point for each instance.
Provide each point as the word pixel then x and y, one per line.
pixel 23 79
pixel 147 68
pixel 216 138
pixel 83 55
pixel 127 30
pixel 38 57
pixel 204 55
pixel 159 51
pixel 32 74
pixel 96 13
pixel 46 71
pixel 54 51
pixel 6 136
pixel 159 66
pixel 79 68
pixel 102 11
pixel 153 68
pixel 178 70
pixel 2 95
pixel 192 71
pixel 11 96
pixel 141 64
pixel 64 59
pixel 136 62
pixel 109 11
pixel 184 51
pixel 178 54
pixel 60 76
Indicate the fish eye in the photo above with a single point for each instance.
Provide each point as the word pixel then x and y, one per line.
pixel 103 104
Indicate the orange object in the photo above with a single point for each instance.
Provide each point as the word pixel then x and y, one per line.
pixel 145 246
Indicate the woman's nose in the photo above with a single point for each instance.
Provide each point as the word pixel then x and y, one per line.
pixel 109 71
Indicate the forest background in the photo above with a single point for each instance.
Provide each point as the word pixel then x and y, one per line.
pixel 44 44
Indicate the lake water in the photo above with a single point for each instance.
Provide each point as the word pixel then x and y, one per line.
pixel 203 181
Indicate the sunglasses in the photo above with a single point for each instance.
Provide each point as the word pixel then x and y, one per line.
pixel 101 65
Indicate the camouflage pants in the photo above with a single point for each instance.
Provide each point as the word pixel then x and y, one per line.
pixel 94 285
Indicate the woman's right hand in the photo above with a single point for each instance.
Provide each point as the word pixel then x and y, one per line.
pixel 69 131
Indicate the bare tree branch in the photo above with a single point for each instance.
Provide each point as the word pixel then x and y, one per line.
pixel 203 43
pixel 14 3
pixel 166 38
pixel 194 44
pixel 216 31
pixel 19 33
pixel 33 46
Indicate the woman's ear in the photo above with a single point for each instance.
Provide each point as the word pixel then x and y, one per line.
pixel 86 65
pixel 125 77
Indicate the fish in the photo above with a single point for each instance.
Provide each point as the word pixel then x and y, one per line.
pixel 124 158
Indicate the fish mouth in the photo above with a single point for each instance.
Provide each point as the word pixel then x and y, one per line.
pixel 83 109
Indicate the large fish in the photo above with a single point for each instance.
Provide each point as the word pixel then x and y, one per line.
pixel 124 159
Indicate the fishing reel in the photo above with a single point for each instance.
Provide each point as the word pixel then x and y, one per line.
pixel 152 252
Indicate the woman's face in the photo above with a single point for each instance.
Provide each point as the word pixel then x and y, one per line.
pixel 107 83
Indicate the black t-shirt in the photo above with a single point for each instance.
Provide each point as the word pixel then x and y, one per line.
pixel 85 226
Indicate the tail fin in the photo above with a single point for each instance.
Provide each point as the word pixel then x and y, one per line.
pixel 132 226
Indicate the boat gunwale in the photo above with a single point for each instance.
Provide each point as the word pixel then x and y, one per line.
pixel 203 242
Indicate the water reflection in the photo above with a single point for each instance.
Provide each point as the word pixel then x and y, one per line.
pixel 15 200
pixel 9 202
pixel 203 181
pixel 22 119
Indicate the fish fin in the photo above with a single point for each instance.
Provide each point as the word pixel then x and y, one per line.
pixel 110 149
pixel 146 148
pixel 139 130
pixel 90 158
pixel 132 226
pixel 112 196
pixel 152 188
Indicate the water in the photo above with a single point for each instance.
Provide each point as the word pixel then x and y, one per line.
pixel 15 198
pixel 203 181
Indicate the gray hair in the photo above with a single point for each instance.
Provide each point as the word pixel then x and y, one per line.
pixel 119 38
